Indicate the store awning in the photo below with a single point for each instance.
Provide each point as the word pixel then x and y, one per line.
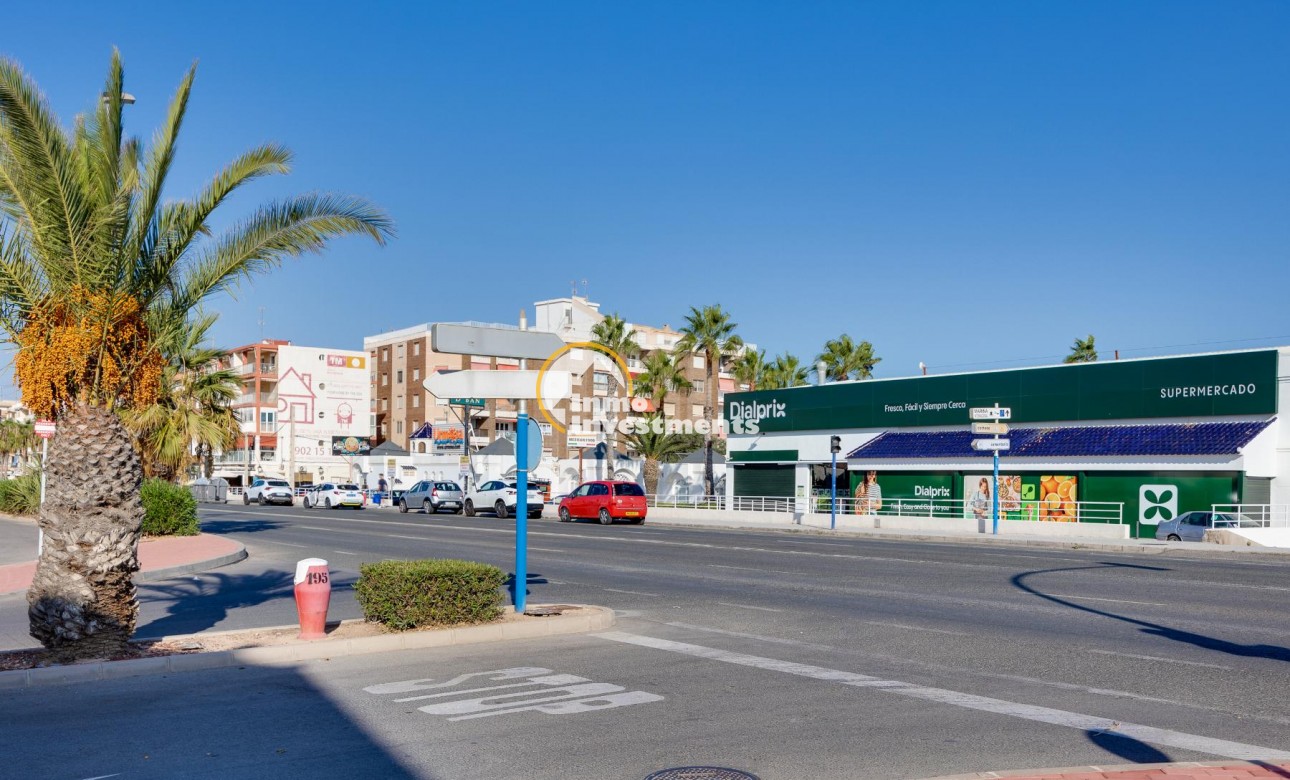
pixel 1219 438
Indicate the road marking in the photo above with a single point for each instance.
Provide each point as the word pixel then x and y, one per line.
pixel 344 552
pixel 751 568
pixel 548 549
pixel 103 777
pixel 1075 720
pixel 413 538
pixel 748 606
pixel 916 628
pixel 1158 658
pixel 289 544
pixel 632 592
pixel 1115 601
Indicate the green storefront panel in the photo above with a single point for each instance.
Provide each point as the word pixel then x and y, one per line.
pixel 763 456
pixel 764 480
pixel 1150 498
pixel 1238 383
pixel 913 493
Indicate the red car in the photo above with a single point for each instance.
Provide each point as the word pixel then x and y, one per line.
pixel 606 501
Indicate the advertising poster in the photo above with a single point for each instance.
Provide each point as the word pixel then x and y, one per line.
pixel 326 392
pixel 450 438
pixel 978 501
pixel 905 493
pixel 349 446
pixel 1057 498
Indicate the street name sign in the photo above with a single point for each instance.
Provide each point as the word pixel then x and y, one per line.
pixel 981 428
pixel 988 445
pixel 991 413
pixel 45 428
pixel 499 384
pixel 453 339
pixel 466 401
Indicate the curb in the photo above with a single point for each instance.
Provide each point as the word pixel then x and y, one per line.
pixel 283 655
pixel 153 575
pixel 1142 548
pixel 1109 771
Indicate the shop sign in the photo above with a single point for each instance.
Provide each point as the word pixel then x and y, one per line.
pixel 449 438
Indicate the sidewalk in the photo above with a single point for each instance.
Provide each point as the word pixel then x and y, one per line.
pixel 158 559
pixel 1225 770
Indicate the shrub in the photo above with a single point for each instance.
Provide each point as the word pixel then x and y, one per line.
pixel 432 592
pixel 168 509
pixel 21 495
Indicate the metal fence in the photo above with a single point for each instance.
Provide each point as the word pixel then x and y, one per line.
pixel 1069 512
pixel 1254 515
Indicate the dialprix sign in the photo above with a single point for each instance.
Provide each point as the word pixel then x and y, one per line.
pixel 1235 383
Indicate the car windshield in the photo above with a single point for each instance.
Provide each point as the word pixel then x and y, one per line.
pixel 277 483
pixel 347 487
pixel 628 489
pixel 447 486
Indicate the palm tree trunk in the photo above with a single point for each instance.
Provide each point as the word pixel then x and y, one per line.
pixel 82 600
pixel 651 476
pixel 709 480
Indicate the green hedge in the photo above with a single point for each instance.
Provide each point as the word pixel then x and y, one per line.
pixel 168 509
pixel 21 495
pixel 432 592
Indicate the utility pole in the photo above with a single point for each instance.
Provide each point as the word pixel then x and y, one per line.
pixel 291 447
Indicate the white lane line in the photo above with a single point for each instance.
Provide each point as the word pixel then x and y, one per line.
pixel 915 628
pixel 631 592
pixel 103 777
pixel 289 544
pixel 1115 601
pixel 1075 720
pixel 748 606
pixel 751 568
pixel 344 552
pixel 413 538
pixel 548 549
pixel 1159 658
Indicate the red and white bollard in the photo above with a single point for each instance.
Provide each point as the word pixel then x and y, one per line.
pixel 313 593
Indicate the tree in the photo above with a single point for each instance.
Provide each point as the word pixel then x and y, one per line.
pixel 844 359
pixel 192 415
pixel 709 332
pixel 16 438
pixel 1082 351
pixel 616 335
pixel 784 371
pixel 663 374
pixel 750 368
pixel 99 278
pixel 652 442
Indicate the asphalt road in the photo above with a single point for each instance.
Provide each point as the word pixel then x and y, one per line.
pixel 785 655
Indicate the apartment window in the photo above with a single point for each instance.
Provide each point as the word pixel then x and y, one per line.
pixel 601 381
pixel 416 348
pixel 416 401
pixel 385 354
pixel 398 427
pixel 416 375
pixel 385 379
pixel 669 410
pixel 268 419
pixel 398 377
pixel 400 403
pixel 385 404
pixel 697 361
pixel 371 421
pixel 696 411
pixel 400 350
pixel 698 385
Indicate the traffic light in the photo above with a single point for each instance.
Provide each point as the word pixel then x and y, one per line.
pixel 835 443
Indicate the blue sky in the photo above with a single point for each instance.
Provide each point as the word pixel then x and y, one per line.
pixel 963 184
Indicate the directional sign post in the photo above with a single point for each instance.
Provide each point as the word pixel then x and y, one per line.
pixel 986 428
pixel 45 430
pixel 995 445
pixel 991 445
pixel 521 385
pixel 465 402
pixel 991 413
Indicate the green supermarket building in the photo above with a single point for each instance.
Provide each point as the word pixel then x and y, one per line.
pixel 1152 437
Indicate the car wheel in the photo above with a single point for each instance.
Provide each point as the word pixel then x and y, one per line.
pixel 605 519
pixel 329 503
pixel 403 507
pixel 500 509
pixel 428 507
pixel 246 500
pixel 1173 538
pixel 262 501
pixel 564 515
pixel 469 508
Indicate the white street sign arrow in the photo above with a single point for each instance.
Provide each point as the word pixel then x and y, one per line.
pixel 991 413
pixel 981 428
pixel 988 445
pixel 452 339
pixel 556 385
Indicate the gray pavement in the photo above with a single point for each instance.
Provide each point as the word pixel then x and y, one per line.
pixel 18 540
pixel 787 655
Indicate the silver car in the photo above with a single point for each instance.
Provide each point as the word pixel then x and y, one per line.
pixel 1191 526
pixel 432 495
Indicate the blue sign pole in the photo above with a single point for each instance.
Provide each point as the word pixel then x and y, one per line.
pixel 521 507
pixel 994 494
pixel 833 504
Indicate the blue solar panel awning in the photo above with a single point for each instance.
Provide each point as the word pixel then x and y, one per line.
pixel 1216 438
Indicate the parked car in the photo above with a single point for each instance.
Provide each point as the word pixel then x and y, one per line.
pixel 332 495
pixel 502 498
pixel 431 496
pixel 269 491
pixel 605 501
pixel 1191 526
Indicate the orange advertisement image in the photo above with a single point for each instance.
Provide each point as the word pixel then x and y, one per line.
pixel 1058 497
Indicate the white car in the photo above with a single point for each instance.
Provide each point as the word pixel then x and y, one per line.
pixel 331 495
pixel 269 491
pixel 501 499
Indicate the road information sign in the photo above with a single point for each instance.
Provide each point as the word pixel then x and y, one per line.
pixel 452 339
pixel 991 413
pixel 499 384
pixel 982 429
pixel 988 445
pixel 466 401
pixel 45 428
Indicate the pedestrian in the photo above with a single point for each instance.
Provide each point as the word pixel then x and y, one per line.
pixel 980 501
pixel 382 485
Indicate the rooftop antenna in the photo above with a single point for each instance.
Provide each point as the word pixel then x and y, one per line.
pixel 573 288
pixel 584 288
pixel 261 323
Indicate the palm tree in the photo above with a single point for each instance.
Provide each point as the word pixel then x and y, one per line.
pixel 844 359
pixel 663 374
pixel 192 415
pixel 710 332
pixel 784 371
pixel 99 278
pixel 653 443
pixel 750 368
pixel 616 335
pixel 16 438
pixel 1082 351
